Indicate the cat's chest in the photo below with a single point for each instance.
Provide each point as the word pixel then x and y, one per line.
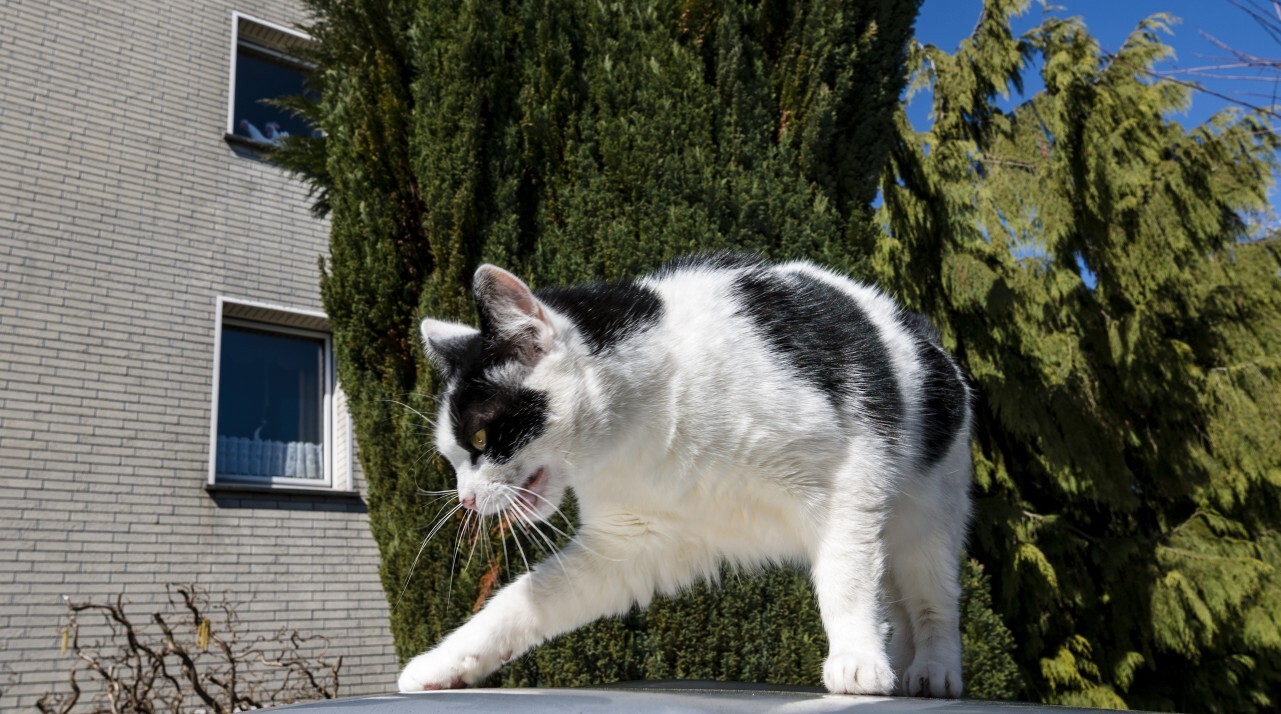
pixel 752 516
pixel 739 515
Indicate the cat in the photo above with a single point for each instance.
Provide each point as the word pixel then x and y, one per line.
pixel 720 410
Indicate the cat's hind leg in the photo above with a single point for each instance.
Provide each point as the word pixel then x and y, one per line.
pixel 924 537
pixel 902 649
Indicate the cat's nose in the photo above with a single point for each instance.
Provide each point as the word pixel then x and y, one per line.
pixel 469 502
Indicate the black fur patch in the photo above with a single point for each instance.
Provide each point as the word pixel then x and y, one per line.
pixel 943 408
pixel 511 417
pixel 458 354
pixel 828 340
pixel 606 313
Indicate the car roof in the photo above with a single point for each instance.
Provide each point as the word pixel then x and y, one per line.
pixel 655 697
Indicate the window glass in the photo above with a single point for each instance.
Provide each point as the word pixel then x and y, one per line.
pixel 259 76
pixel 271 391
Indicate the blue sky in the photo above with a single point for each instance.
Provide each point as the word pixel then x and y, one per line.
pixel 946 22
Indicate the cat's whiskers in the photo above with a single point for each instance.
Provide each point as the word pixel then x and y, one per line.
pixel 435 529
pixel 436 520
pixel 489 537
pixel 529 516
pixel 547 523
pixel 523 515
pixel 475 536
pixel 568 523
pixel 526 514
pixel 428 504
pixel 502 539
pixel 458 539
pixel 420 395
pixel 428 429
pixel 516 540
pixel 432 499
pixel 431 449
pixel 544 499
pixel 425 418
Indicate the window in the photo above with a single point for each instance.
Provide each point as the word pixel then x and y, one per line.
pixel 264 66
pixel 278 419
pixel 271 404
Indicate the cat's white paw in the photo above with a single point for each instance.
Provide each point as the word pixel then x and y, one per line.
pixel 858 673
pixel 928 677
pixel 443 668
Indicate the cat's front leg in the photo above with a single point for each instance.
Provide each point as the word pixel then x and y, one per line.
pixel 847 579
pixel 589 579
pixel 480 646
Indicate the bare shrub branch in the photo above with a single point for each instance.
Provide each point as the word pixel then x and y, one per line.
pixel 196 653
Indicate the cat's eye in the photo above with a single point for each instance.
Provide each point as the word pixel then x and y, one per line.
pixel 478 440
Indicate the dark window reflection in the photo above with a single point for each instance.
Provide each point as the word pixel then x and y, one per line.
pixel 261 76
pixel 271 391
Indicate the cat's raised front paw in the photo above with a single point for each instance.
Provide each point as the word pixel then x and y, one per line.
pixel 858 673
pixel 926 678
pixel 442 669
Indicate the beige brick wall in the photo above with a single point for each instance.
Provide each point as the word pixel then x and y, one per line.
pixel 123 214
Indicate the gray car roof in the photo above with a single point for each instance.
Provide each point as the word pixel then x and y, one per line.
pixel 654 698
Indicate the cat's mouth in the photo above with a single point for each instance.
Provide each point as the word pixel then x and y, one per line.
pixel 530 493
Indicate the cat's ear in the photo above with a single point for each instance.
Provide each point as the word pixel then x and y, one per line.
pixel 450 345
pixel 510 314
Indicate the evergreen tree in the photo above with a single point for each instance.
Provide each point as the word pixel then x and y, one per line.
pixel 569 142
pixel 1089 260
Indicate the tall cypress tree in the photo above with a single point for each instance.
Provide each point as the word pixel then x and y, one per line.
pixel 1089 260
pixel 570 142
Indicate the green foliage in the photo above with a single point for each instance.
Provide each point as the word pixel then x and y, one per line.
pixel 986 643
pixel 1127 451
pixel 567 142
pixel 704 634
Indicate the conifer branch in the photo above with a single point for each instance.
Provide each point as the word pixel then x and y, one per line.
pixel 1006 161
pixel 1060 521
pixel 1148 72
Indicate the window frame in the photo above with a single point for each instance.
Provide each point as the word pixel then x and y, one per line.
pixel 279 54
pixel 272 319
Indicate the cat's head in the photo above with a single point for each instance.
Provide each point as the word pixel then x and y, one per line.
pixel 498 423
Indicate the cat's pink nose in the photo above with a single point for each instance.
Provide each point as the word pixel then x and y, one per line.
pixel 469 502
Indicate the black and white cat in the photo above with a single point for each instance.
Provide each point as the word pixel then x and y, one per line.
pixel 720 410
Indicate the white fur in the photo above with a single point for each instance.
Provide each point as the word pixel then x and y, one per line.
pixel 693 444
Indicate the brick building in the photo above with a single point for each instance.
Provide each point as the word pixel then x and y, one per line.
pixel 168 410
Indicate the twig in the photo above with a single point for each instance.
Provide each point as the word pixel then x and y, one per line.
pixel 237 675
